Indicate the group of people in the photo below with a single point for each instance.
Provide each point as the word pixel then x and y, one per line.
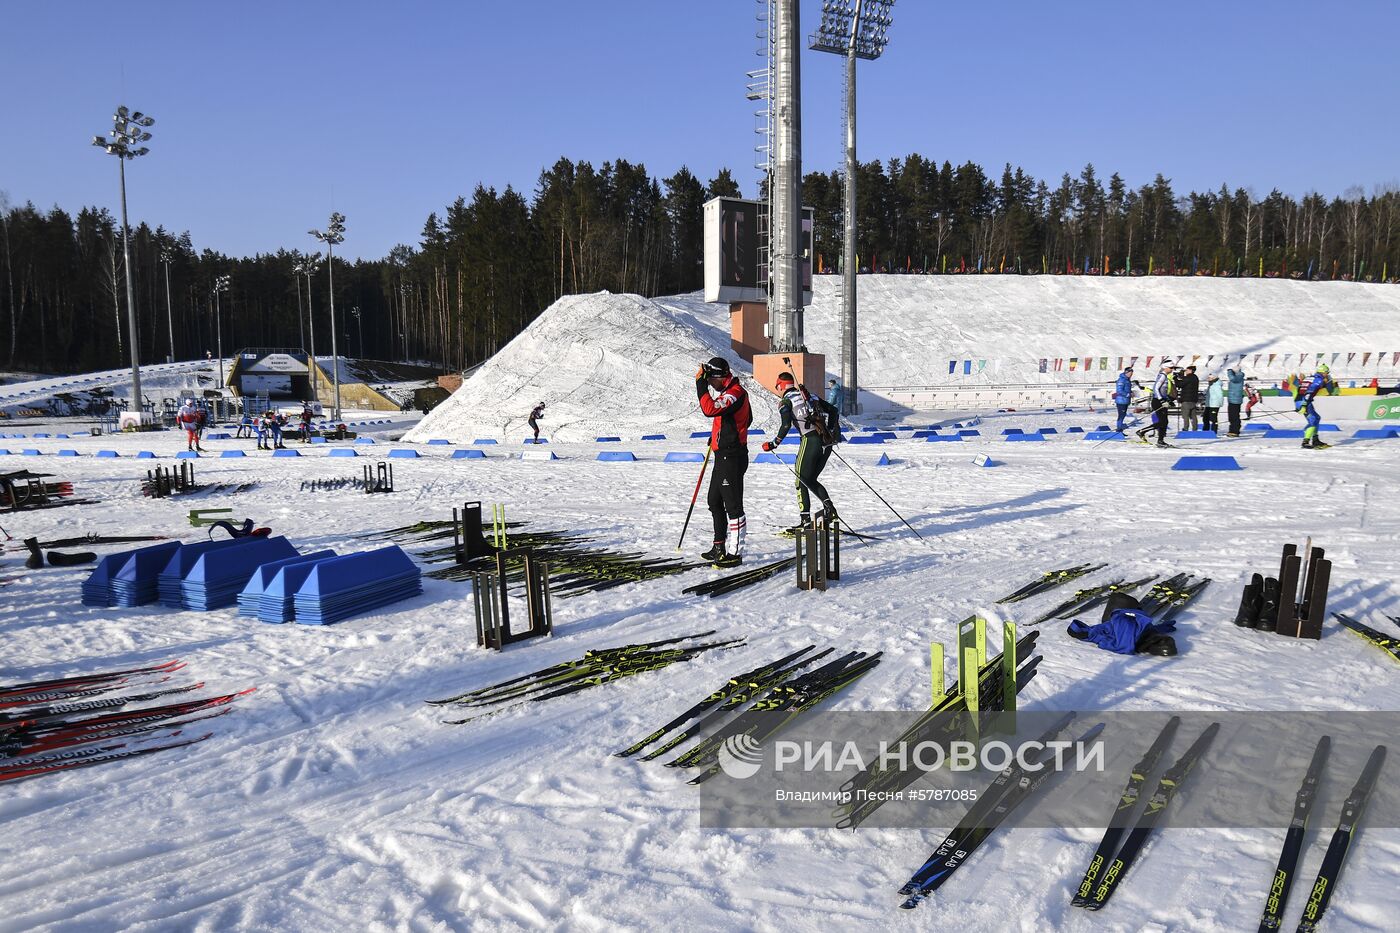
pixel 1200 410
pixel 270 427
pixel 726 402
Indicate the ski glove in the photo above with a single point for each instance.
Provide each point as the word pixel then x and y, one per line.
pixel 767 445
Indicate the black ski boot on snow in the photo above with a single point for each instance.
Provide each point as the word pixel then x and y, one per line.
pixel 804 521
pixel 1319 445
pixel 728 560
pixel 714 553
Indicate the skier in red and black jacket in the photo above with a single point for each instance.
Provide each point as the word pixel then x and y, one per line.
pixel 729 439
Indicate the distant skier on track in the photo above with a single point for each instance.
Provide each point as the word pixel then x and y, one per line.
pixel 729 439
pixel 817 422
pixel 1322 379
pixel 536 414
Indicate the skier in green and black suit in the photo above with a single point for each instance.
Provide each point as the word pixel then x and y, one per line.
pixel 818 422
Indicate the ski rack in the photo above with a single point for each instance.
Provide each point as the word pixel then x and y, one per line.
pixel 163 482
pixel 1300 615
pixel 468 543
pixel 491 602
pixel 818 557
pixel 379 477
pixel 21 490
pixel 971 658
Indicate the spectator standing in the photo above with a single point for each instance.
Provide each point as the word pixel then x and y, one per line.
pixel 1188 389
pixel 833 394
pixel 1234 397
pixel 1123 395
pixel 1215 397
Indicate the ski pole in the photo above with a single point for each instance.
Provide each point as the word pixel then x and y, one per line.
pixel 693 496
pixel 877 495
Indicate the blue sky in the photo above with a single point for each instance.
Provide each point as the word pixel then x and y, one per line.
pixel 270 115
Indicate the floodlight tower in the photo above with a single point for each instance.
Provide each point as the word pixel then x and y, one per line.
pixel 128 129
pixel 858 29
pixel 307 267
pixel 333 234
pixel 220 286
pixel 785 185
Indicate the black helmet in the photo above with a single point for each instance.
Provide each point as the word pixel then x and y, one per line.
pixel 717 366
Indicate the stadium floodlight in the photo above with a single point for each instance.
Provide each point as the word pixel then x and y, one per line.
pixel 307 266
pixel 854 29
pixel 128 129
pixel 333 234
pixel 220 286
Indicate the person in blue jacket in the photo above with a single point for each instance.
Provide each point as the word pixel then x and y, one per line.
pixel 1123 395
pixel 1303 402
pixel 833 394
pixel 1234 398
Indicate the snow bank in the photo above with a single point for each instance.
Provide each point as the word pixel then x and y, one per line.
pixel 602 364
pixel 620 364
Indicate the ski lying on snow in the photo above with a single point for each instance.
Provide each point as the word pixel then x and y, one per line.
pixel 1381 640
pixel 63 682
pixel 57 710
pixel 1293 840
pixel 1122 814
pixel 1335 859
pixel 1166 791
pixel 21 772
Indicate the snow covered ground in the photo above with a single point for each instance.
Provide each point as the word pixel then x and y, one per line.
pixel 333 799
pixel 622 365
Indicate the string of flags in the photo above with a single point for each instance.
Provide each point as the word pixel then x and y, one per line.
pixel 1254 361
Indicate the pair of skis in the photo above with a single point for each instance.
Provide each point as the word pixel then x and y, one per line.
pixel 1335 858
pixel 737 581
pixel 1049 580
pixel 1008 791
pixel 1111 861
pixel 1086 599
pixel 78 681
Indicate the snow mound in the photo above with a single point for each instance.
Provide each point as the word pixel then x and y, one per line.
pixel 602 364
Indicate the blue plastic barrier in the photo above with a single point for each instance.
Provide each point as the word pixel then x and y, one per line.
pixel 653 437
pixel 1377 434
pixel 530 441
pixel 230 454
pixel 318 440
pixel 695 434
pixel 5 452
pixel 250 599
pixel 403 453
pixel 67 453
pixel 679 456
pixel 865 439
pixel 538 455
pixel 793 439
pixel 286 452
pixel 173 573
pixel 758 432
pixel 364 440
pixel 190 455
pixel 1076 429
pixel 1207 463
pixel 129 578
pixel 344 586
pixel 1024 437
pixel 1283 433
pixel 439 442
pixel 1047 431
pixel 277 603
pixel 970 432
pixel 1007 432
pixel 609 440
pixel 61 437
pixel 1104 427
pixel 884 460
pixel 616 456
pixel 1104 436
pixel 106 454
pixel 480 441
pixel 982 460
pixel 1196 435
pixel 468 453
pixel 1257 427
pixel 775 458
pixel 145 455
pixel 31 452
pixel 46 436
pixel 342 452
pixel 216 578
pixel 931 438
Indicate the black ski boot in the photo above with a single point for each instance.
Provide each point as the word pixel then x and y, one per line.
pixel 36 556
pixel 1307 443
pixel 829 513
pixel 1268 609
pixel 714 553
pixel 1251 602
pixel 1319 445
pixel 804 522
pixel 1163 444
pixel 728 560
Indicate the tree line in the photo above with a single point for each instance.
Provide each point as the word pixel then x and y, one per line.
pixel 484 267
